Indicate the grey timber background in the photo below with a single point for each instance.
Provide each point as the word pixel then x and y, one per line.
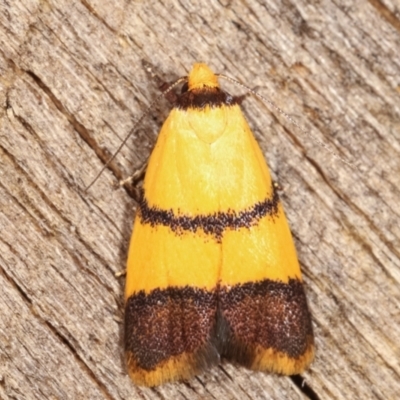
pixel 71 87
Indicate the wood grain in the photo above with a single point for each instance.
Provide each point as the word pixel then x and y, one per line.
pixel 71 86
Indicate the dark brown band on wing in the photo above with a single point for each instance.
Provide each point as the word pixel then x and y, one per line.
pixel 234 323
pixel 201 98
pixel 267 314
pixel 169 322
pixel 212 224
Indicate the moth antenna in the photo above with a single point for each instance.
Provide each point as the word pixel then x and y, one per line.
pixel 138 121
pixel 287 116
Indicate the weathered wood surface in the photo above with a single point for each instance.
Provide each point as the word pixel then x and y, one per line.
pixel 71 86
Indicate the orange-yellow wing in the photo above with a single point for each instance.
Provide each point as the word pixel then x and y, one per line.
pixel 212 269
